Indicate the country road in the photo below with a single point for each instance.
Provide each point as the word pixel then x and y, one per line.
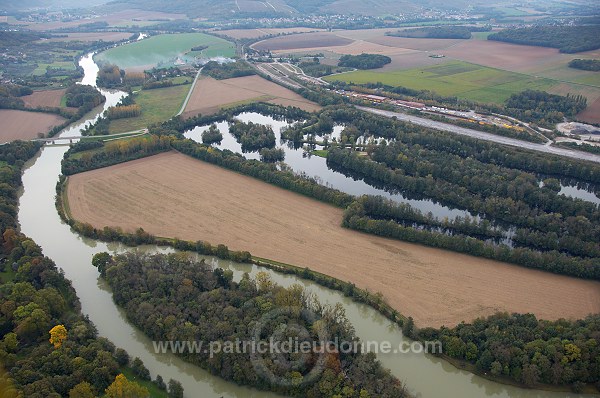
pixel 484 136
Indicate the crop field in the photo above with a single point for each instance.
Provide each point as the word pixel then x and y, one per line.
pixel 210 95
pixel 173 195
pixel 462 79
pixel 164 49
pixel 45 98
pixel 306 40
pixel 23 125
pixel 157 105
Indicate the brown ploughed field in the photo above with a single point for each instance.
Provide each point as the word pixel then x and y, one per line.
pixel 174 195
pixel 23 125
pixel 210 95
pixel 305 40
pixel 46 98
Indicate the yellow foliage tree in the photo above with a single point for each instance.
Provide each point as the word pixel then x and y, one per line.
pixel 123 388
pixel 58 334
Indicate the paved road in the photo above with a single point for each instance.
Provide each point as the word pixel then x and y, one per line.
pixel 189 94
pixel 484 136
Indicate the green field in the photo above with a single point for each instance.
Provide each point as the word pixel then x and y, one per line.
pixel 165 49
pixel 454 78
pixel 157 105
pixel 41 68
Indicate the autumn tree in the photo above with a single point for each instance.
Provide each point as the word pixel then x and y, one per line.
pixel 123 388
pixel 58 334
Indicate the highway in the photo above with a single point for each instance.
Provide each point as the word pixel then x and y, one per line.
pixel 484 136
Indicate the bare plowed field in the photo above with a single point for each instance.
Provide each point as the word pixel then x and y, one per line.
pixel 307 40
pixel 176 196
pixel 415 44
pixel 47 98
pixel 210 95
pixel 23 125
pixel 592 113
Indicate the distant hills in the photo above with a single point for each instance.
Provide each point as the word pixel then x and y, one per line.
pixel 231 8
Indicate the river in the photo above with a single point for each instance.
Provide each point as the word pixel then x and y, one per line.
pixel 425 376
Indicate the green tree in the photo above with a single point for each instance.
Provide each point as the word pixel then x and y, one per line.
pixel 175 389
pixel 82 390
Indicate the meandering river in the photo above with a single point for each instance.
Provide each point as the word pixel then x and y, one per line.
pixel 424 375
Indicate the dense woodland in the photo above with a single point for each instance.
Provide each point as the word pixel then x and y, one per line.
pixel 364 61
pixel 568 39
pixel 79 95
pixel 172 297
pixel 526 349
pixel 252 136
pixel 48 348
pixel 544 108
pixel 317 69
pixel 585 64
pixel 228 70
pixel 9 96
pixel 212 135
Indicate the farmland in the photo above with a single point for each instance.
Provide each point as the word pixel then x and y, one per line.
pixel 46 98
pixel 177 196
pixel 210 95
pixel 306 40
pixel 462 79
pixel 157 105
pixel 510 68
pixel 164 49
pixel 23 125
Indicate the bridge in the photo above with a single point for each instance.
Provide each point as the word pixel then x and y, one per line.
pixel 109 137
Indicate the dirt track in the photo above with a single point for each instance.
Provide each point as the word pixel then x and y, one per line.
pixel 173 195
pixel 23 125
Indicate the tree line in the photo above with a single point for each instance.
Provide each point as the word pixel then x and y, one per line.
pixel 585 64
pixel 113 152
pixel 568 39
pixel 525 349
pixel 157 291
pixel 539 106
pixel 227 70
pixel 355 217
pixel 48 348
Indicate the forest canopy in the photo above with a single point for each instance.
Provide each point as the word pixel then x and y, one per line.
pixel 364 61
pixel 586 64
pixel 568 39
pixel 174 297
